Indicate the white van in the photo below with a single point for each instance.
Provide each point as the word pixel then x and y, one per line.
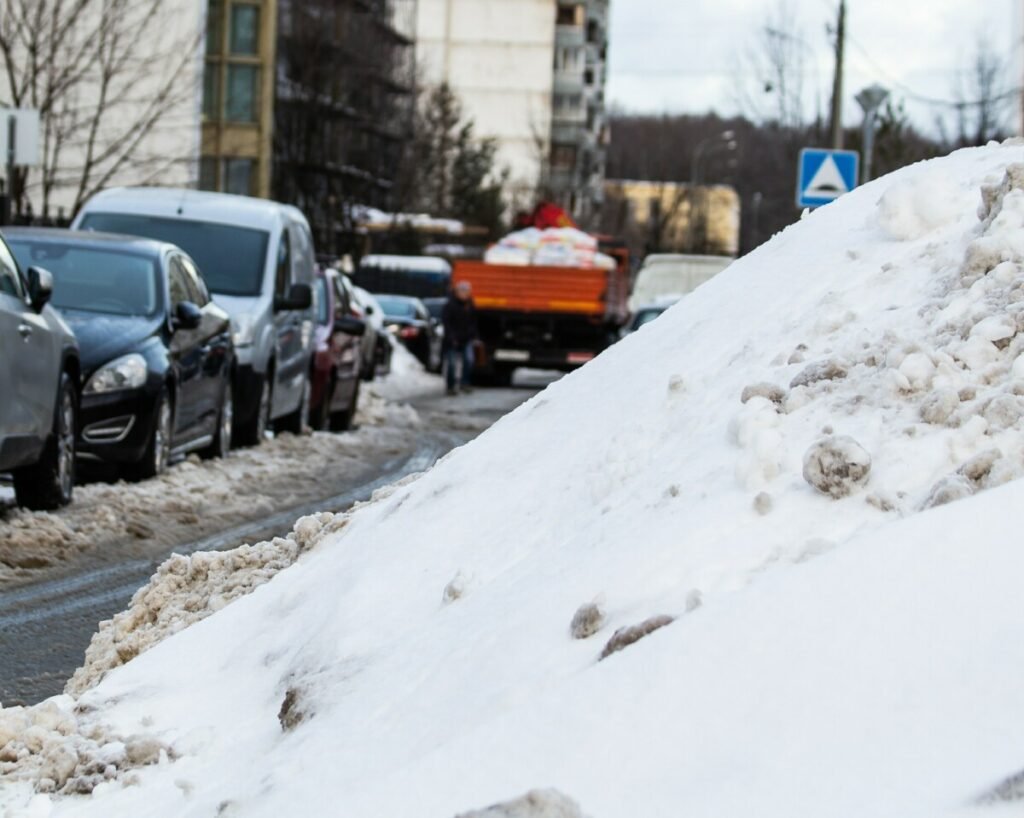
pixel 671 274
pixel 258 261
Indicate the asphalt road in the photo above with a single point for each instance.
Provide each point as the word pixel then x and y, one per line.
pixel 46 626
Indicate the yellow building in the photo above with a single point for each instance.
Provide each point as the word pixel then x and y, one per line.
pixel 238 96
pixel 670 217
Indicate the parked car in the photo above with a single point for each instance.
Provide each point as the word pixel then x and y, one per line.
pixel 337 359
pixel 257 257
pixel 647 313
pixel 409 321
pixel 348 294
pixel 39 378
pixel 156 352
pixel 673 274
pixel 382 340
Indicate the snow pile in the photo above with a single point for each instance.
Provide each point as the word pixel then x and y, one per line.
pixel 54 747
pixel 407 379
pixel 760 558
pixel 187 589
pixel 198 497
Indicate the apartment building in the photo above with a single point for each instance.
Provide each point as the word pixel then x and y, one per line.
pixel 531 74
pixel 579 130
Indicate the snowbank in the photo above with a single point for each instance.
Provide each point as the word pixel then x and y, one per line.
pixel 783 516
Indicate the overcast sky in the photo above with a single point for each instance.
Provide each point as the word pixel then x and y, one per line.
pixel 684 55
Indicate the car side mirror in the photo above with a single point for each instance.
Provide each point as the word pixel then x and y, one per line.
pixel 40 287
pixel 187 316
pixel 369 309
pixel 300 297
pixel 350 325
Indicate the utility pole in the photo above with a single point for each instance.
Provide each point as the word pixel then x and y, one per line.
pixel 837 82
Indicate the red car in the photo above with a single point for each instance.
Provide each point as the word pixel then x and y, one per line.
pixel 337 355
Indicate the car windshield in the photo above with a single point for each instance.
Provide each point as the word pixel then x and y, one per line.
pixel 96 279
pixel 232 259
pixel 397 307
pixel 435 306
pixel 646 316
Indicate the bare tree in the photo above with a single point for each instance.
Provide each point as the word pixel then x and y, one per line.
pixel 982 95
pixel 770 75
pixel 105 76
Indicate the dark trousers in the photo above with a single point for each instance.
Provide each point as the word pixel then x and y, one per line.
pixel 454 357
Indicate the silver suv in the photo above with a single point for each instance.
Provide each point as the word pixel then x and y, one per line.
pixel 39 380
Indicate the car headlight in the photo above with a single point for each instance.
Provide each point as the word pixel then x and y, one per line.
pixel 243 330
pixel 128 372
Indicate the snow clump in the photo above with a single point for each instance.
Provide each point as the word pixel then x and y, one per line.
pixel 535 804
pixel 836 466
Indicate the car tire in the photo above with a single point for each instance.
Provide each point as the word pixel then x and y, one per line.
pixel 252 432
pixel 49 484
pixel 221 445
pixel 320 417
pixel 298 420
pixel 157 456
pixel 342 421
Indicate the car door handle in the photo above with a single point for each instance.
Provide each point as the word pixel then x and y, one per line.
pixel 24 330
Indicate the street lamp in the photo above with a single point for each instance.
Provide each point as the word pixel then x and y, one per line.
pixel 726 140
pixel 870 100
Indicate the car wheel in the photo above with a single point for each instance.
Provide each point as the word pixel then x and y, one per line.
pixel 320 416
pixel 299 419
pixel 252 432
pixel 50 483
pixel 222 439
pixel 342 421
pixel 158 450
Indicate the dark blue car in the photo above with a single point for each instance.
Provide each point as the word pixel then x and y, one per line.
pixel 156 352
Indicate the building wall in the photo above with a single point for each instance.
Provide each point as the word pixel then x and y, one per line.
pixel 669 217
pixel 163 151
pixel 236 138
pixel 497 55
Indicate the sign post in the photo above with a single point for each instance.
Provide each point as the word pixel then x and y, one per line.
pixel 19 147
pixel 824 176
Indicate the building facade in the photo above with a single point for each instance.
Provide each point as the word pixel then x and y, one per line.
pixel 531 74
pixel 240 47
pixel 497 56
pixel 579 128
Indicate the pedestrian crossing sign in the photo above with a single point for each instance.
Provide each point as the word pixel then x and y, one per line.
pixel 825 175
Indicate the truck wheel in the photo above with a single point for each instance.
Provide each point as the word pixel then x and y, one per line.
pixel 253 430
pixel 342 421
pixel 49 484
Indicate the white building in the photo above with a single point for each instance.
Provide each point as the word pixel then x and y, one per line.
pixel 498 57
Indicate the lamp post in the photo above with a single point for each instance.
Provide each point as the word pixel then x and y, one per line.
pixel 726 140
pixel 870 100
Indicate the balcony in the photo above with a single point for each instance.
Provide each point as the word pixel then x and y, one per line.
pixel 570 36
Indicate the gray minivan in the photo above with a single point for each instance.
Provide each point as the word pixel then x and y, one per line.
pixel 258 261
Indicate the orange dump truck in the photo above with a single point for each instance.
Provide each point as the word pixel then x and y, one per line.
pixel 545 317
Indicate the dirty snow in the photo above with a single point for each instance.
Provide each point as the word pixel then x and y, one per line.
pixel 784 649
pixel 197 497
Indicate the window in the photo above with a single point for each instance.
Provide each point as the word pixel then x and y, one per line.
pixel 211 91
pixel 10 281
pixel 94 277
pixel 197 291
pixel 245 29
pixel 563 157
pixel 320 294
pixel 570 15
pixel 214 26
pixel 177 281
pixel 283 276
pixel 242 93
pixel 208 173
pixel 238 176
pixel 232 258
